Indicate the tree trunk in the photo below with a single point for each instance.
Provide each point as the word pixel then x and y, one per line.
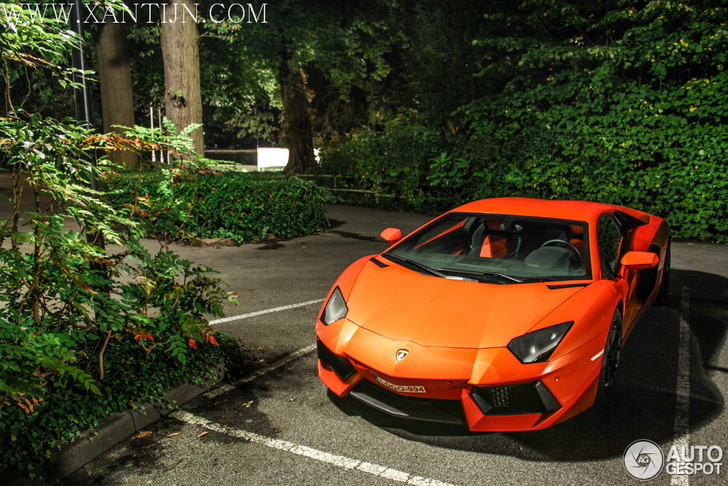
pixel 117 102
pixel 181 55
pixel 298 129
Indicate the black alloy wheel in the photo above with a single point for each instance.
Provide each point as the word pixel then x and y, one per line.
pixel 610 358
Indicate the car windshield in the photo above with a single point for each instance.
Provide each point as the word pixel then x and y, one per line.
pixel 497 248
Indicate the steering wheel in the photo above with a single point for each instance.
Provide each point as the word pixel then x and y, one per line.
pixel 570 246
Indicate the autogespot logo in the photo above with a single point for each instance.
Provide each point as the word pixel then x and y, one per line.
pixel 643 459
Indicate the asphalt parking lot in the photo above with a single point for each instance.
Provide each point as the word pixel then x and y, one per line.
pixel 282 427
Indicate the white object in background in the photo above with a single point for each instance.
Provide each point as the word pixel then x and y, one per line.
pixel 272 158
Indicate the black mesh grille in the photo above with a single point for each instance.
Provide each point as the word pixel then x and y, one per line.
pixel 339 364
pixel 522 398
pixel 500 397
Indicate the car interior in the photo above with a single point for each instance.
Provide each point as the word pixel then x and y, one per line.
pixel 518 246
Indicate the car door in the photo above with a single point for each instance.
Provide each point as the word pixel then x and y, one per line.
pixel 614 240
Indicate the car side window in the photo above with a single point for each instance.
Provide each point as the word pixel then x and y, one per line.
pixel 609 238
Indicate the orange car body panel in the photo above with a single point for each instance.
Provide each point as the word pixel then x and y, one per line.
pixel 457 332
pixel 448 313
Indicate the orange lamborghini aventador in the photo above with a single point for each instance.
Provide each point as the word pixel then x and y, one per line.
pixel 506 314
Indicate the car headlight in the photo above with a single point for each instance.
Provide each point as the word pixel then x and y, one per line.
pixel 537 346
pixel 335 308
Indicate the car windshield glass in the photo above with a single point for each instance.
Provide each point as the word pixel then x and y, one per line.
pixel 497 248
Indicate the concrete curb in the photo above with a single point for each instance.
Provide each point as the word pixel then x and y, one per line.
pixel 112 430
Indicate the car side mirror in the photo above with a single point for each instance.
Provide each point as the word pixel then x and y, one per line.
pixel 638 260
pixel 392 235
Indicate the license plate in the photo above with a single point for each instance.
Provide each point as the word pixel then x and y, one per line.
pixel 401 388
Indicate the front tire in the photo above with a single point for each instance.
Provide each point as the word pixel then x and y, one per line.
pixel 610 359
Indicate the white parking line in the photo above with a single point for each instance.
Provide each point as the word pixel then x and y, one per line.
pixel 340 461
pixel 267 311
pixel 260 372
pixel 682 389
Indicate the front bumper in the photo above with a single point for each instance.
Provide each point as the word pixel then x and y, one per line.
pixel 534 397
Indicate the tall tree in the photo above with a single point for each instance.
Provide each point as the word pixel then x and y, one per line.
pixel 181 54
pixel 298 127
pixel 433 73
pixel 117 102
pixel 346 41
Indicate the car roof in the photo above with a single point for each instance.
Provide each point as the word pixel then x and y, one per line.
pixel 546 208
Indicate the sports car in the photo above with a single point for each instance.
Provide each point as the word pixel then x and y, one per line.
pixel 505 314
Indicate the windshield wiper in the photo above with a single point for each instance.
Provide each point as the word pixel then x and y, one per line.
pixel 419 265
pixel 502 276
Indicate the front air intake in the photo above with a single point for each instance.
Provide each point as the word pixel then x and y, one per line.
pixel 523 398
pixel 340 364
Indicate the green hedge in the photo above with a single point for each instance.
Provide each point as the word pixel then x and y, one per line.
pixel 393 163
pixel 245 207
pixel 619 102
pixel 131 378
pixel 687 187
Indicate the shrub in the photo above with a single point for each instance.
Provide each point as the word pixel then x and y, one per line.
pixel 84 331
pixel 246 208
pixel 242 206
pixel 69 311
pixel 35 431
pixel 685 182
pixel 393 163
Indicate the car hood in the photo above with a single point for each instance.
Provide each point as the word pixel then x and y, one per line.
pixel 403 305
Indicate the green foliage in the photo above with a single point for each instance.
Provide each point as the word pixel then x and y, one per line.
pixel 394 163
pixel 84 330
pixel 242 206
pixel 616 101
pixel 131 378
pixel 621 102
pixel 69 309
pixel 34 55
pixel 421 169
pixel 254 124
pixel 248 208
pixel 432 66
